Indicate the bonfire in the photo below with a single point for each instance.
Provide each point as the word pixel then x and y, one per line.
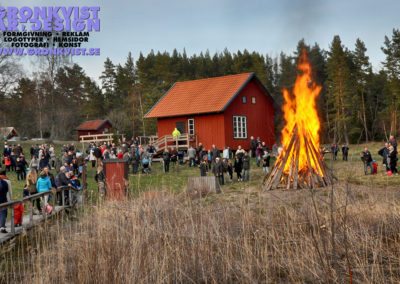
pixel 300 164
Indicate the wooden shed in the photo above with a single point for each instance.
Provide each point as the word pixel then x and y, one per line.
pixel 225 111
pixel 8 132
pixel 93 127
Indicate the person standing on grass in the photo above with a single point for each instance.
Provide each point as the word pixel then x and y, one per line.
pixel 3 199
pixel 238 166
pixel 393 160
pixel 215 153
pixel 393 142
pixel 166 159
pixel 228 168
pixel 44 184
pixel 52 159
pixel 367 160
pixel 203 166
pixel 335 150
pixel 218 170
pixel 266 159
pixel 253 146
pixel 7 163
pixel 173 156
pixel 101 180
pixel 384 152
pixel 32 151
pixel 13 161
pixel 259 153
pixel 192 156
pixel 151 150
pixel 345 152
pixel 200 153
pixel 226 153
pixel 92 157
pixel 240 152
pixel 34 163
pixel 20 168
pixel 246 167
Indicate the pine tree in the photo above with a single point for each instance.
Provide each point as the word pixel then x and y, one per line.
pixel 392 67
pixel 339 90
pixel 362 69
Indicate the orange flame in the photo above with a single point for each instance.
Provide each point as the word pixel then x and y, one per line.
pixel 299 109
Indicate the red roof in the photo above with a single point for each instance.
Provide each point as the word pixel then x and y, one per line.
pixel 199 96
pixel 92 125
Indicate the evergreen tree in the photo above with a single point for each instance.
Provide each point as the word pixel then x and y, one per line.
pixel 392 67
pixel 339 90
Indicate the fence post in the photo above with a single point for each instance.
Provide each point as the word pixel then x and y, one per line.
pixel 70 197
pixel 12 221
pixel 63 197
pixel 31 215
pixel 85 192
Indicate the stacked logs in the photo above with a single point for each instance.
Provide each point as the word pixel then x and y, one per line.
pixel 309 177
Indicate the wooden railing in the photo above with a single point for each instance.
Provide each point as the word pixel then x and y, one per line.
pixel 31 198
pixel 181 142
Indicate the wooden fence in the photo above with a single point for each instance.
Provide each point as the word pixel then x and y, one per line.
pixel 31 198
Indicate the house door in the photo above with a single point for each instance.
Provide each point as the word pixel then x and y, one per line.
pixel 181 127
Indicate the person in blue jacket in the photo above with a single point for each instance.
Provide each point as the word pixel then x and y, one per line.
pixel 44 184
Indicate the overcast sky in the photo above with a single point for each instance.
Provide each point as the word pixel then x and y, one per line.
pixel 268 27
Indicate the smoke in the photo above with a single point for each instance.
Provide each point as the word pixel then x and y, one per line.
pixel 301 19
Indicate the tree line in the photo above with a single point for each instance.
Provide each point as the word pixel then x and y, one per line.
pixel 356 104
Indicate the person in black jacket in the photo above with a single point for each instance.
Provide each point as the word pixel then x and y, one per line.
pixel 3 199
pixel 384 152
pixel 238 166
pixel 200 153
pixel 135 161
pixel 215 153
pixel 218 170
pixel 20 169
pixel 393 142
pixel 62 179
pixel 166 159
pixel 367 160
pixel 253 146
pixel 335 150
pixel 345 152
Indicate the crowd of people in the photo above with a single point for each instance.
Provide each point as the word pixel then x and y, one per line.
pixel 222 163
pixel 388 153
pixel 38 177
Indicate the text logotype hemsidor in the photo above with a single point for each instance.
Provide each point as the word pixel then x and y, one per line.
pixel 48 30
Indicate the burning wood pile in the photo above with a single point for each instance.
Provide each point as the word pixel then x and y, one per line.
pixel 300 164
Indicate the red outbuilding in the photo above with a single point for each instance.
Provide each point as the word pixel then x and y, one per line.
pixel 225 111
pixel 93 127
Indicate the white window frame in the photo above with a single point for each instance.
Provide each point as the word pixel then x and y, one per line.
pixel 239 127
pixel 190 124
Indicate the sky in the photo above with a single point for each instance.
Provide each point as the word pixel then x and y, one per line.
pixel 267 27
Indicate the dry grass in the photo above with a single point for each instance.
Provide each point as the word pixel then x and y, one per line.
pixel 255 237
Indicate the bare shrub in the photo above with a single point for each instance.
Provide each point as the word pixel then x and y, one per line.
pixel 257 237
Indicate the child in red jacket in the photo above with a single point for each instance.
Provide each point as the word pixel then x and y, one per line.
pixel 18 213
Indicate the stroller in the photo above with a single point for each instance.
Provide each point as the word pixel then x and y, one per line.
pixel 146 166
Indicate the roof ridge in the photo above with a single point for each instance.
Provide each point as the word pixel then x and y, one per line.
pixel 210 78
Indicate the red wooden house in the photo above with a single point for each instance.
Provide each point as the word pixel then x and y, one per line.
pixel 93 127
pixel 225 111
